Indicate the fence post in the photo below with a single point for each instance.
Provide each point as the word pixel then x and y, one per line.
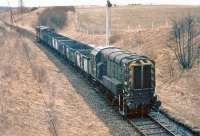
pixel 128 28
pixel 166 22
pixel 152 25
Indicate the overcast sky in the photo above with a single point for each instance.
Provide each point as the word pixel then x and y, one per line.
pixel 96 2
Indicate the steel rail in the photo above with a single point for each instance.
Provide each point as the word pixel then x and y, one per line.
pixel 149 126
pixel 170 132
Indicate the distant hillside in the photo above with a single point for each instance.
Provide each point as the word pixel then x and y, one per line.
pixel 2 9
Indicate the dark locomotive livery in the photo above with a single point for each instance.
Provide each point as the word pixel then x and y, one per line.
pixel 129 78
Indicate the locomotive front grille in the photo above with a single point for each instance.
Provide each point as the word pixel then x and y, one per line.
pixel 147 76
pixel 137 78
pixel 142 75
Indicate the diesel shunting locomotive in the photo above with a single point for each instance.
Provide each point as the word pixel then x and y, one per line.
pixel 129 78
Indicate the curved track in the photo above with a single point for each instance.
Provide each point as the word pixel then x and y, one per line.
pixel 154 125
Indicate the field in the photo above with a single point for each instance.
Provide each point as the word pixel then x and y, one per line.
pixel 144 30
pixel 130 18
pixel 40 100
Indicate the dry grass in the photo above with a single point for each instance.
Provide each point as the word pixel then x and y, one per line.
pixel 22 108
pixel 133 17
pixel 39 74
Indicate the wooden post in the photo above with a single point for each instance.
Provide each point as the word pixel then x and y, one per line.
pixel 108 22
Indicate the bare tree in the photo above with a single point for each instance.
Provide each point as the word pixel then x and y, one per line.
pixel 185 35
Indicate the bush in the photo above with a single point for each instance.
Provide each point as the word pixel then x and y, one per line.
pixel 34 8
pixel 114 38
pixel 185 33
pixel 54 17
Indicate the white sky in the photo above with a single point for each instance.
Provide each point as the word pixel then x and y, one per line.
pixel 96 2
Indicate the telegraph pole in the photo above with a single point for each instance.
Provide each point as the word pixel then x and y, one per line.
pixel 12 20
pixel 21 8
pixel 11 17
pixel 108 22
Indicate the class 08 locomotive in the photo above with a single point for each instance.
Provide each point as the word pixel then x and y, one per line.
pixel 128 78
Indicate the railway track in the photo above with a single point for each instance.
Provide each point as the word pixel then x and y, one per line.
pixel 154 125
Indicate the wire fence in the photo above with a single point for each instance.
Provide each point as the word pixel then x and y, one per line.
pixel 97 30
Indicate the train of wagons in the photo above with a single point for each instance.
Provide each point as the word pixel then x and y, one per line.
pixel 128 78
